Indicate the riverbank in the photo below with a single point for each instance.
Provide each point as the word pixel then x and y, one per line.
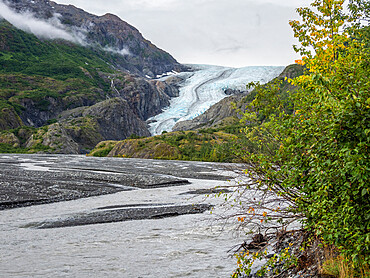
pixel 27 180
pixel 287 254
pixel 172 233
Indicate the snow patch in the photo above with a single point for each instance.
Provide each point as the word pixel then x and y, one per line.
pixel 166 74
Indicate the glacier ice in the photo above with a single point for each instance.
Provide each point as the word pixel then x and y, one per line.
pixel 205 87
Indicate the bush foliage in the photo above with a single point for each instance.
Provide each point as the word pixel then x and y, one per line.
pixel 312 147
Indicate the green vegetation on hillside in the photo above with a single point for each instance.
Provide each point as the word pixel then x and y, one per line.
pixel 203 145
pixel 11 141
pixel 24 53
pixel 43 71
pixel 41 90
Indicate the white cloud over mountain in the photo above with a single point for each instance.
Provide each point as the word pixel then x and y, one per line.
pixel 48 29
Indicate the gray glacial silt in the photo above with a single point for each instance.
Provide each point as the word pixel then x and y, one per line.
pixel 36 179
pixel 124 218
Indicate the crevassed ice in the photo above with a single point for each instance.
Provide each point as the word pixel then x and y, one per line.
pixel 205 87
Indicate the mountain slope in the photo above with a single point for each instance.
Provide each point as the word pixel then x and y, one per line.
pixel 42 80
pixel 107 31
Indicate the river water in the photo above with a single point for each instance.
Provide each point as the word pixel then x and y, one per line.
pixel 193 245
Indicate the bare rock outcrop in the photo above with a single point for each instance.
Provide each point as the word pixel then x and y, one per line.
pixel 213 117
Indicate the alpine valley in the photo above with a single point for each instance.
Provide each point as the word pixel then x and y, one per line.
pixel 95 79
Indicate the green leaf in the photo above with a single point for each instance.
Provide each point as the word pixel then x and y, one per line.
pixel 364 192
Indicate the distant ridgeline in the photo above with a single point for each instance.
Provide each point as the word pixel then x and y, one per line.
pixel 66 95
pixel 215 135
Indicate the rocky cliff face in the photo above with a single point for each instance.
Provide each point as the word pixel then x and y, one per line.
pixel 215 116
pixel 80 129
pixel 108 120
pixel 38 115
pixel 139 55
pixel 9 119
pixel 53 139
pixel 145 97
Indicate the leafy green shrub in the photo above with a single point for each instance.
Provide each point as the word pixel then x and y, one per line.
pixel 134 136
pixel 7 148
pixel 317 158
pixel 51 121
pixel 102 152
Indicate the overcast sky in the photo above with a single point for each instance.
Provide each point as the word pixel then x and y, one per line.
pixel 220 32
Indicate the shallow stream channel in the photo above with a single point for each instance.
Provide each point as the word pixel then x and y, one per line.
pixel 78 216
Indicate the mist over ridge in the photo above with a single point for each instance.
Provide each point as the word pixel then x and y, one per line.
pixel 52 28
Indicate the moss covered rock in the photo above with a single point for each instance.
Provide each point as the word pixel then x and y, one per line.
pixel 52 139
pixel 9 119
pixel 103 148
pixel 10 139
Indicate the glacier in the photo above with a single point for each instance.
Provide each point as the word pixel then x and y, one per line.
pixel 204 87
